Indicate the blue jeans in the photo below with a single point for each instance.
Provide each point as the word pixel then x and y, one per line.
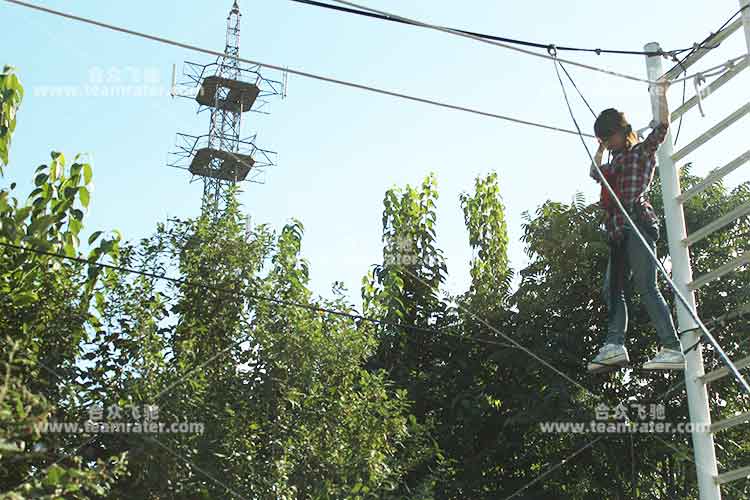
pixel 639 265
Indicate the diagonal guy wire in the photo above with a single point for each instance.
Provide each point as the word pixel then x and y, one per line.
pixel 191 464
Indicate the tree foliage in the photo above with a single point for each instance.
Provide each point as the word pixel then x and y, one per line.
pixel 47 311
pixel 212 321
pixel 11 94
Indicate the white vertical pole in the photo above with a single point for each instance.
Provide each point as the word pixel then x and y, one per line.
pixel 682 274
pixel 746 22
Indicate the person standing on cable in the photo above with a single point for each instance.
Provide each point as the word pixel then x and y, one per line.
pixel 630 172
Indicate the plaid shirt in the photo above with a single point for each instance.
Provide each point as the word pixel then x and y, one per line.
pixel 632 170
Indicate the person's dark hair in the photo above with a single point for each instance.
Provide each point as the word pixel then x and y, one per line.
pixel 610 121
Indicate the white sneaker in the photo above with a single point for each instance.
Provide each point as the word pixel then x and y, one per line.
pixel 610 356
pixel 666 359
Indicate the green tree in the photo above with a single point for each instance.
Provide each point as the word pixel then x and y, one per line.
pixel 11 95
pixel 483 398
pixel 237 343
pixel 214 323
pixel 46 304
pixel 561 317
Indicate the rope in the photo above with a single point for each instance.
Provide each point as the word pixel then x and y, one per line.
pixel 633 477
pixel 700 339
pixel 651 253
pixel 262 298
pixel 493 37
pixel 577 90
pixel 507 46
pixel 702 44
pixel 359 317
pixel 684 88
pixel 352 84
pixel 292 71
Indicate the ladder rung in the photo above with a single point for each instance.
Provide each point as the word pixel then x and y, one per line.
pixel 721 271
pixel 733 475
pixel 711 133
pixel 715 176
pixel 740 312
pixel 723 371
pixel 713 87
pixel 722 221
pixel 730 422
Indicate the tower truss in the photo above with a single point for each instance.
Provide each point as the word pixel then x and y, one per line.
pixel 227 90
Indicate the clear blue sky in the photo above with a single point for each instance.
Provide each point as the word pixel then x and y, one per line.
pixel 340 148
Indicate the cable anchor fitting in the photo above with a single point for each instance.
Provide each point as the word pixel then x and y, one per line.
pixel 697 81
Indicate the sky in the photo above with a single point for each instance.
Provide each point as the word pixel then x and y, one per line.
pixel 339 148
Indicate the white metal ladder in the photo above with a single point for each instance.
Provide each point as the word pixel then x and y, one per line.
pixel 696 381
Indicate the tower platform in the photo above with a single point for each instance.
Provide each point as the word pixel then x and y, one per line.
pixel 223 165
pixel 240 99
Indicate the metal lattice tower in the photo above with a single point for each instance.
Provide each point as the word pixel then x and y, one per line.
pixel 227 90
pixel 224 131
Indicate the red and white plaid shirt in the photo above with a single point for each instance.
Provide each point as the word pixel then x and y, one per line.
pixel 632 170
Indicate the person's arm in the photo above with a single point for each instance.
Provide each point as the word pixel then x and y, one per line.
pixel 660 124
pixel 661 90
pixel 651 143
pixel 597 162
